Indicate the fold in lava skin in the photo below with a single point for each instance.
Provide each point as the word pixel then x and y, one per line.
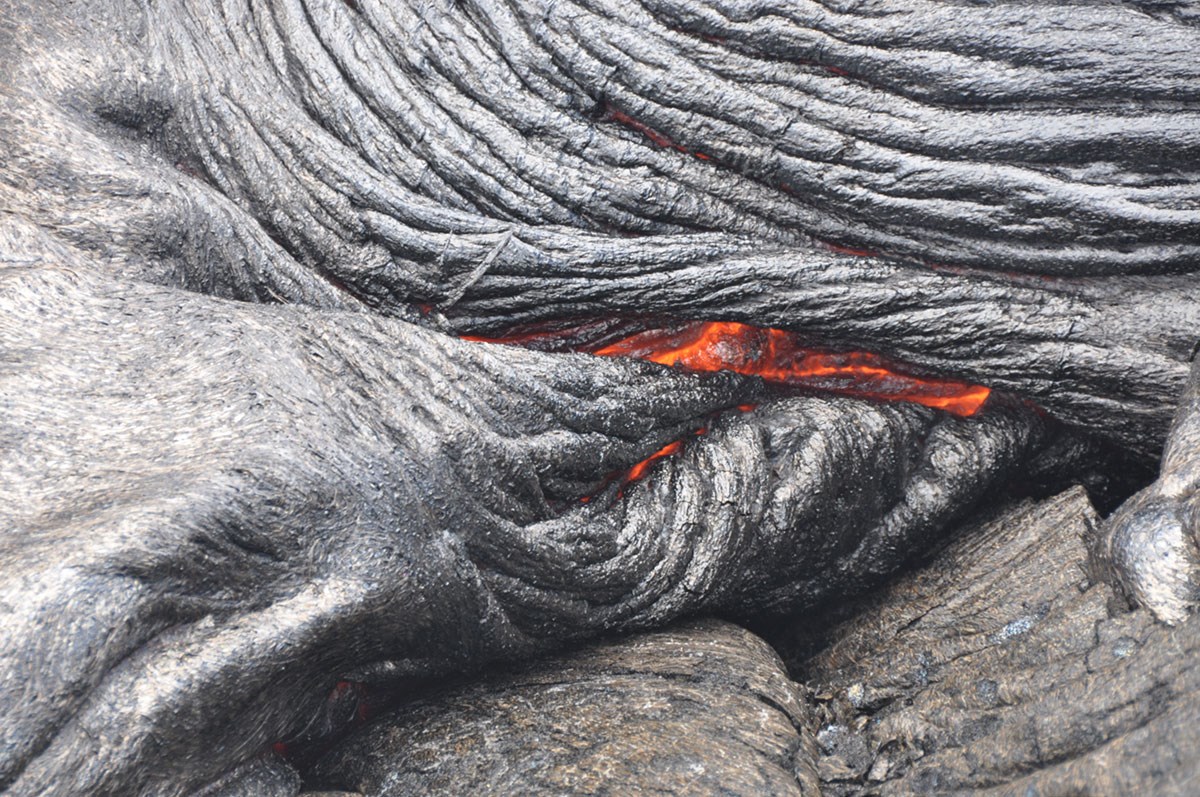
pixel 1106 355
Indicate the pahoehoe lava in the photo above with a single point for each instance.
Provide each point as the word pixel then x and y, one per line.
pixel 796 287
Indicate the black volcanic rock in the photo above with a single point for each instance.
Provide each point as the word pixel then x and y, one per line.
pixel 1002 668
pixel 245 456
pixel 701 708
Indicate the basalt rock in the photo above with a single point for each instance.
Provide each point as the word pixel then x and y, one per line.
pixel 1152 544
pixel 1003 668
pixel 188 576
pixel 999 666
pixel 216 508
pixel 505 163
pixel 704 708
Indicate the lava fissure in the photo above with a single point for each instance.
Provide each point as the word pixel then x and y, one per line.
pixel 777 357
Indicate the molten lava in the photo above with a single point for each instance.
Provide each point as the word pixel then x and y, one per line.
pixel 778 357
pixel 639 470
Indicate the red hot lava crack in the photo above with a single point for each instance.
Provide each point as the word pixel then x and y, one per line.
pixel 778 357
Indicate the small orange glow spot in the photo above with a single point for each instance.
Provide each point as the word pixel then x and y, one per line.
pixel 639 470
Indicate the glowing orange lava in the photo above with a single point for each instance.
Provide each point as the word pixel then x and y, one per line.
pixel 639 470
pixel 777 356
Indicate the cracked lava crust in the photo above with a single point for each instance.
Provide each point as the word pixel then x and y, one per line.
pixel 792 290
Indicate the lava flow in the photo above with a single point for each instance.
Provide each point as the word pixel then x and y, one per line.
pixel 778 357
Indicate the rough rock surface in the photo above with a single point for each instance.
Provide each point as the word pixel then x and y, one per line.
pixel 1152 543
pixel 218 509
pixel 701 708
pixel 503 161
pixel 1000 668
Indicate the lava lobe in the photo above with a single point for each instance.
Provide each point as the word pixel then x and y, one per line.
pixel 778 357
